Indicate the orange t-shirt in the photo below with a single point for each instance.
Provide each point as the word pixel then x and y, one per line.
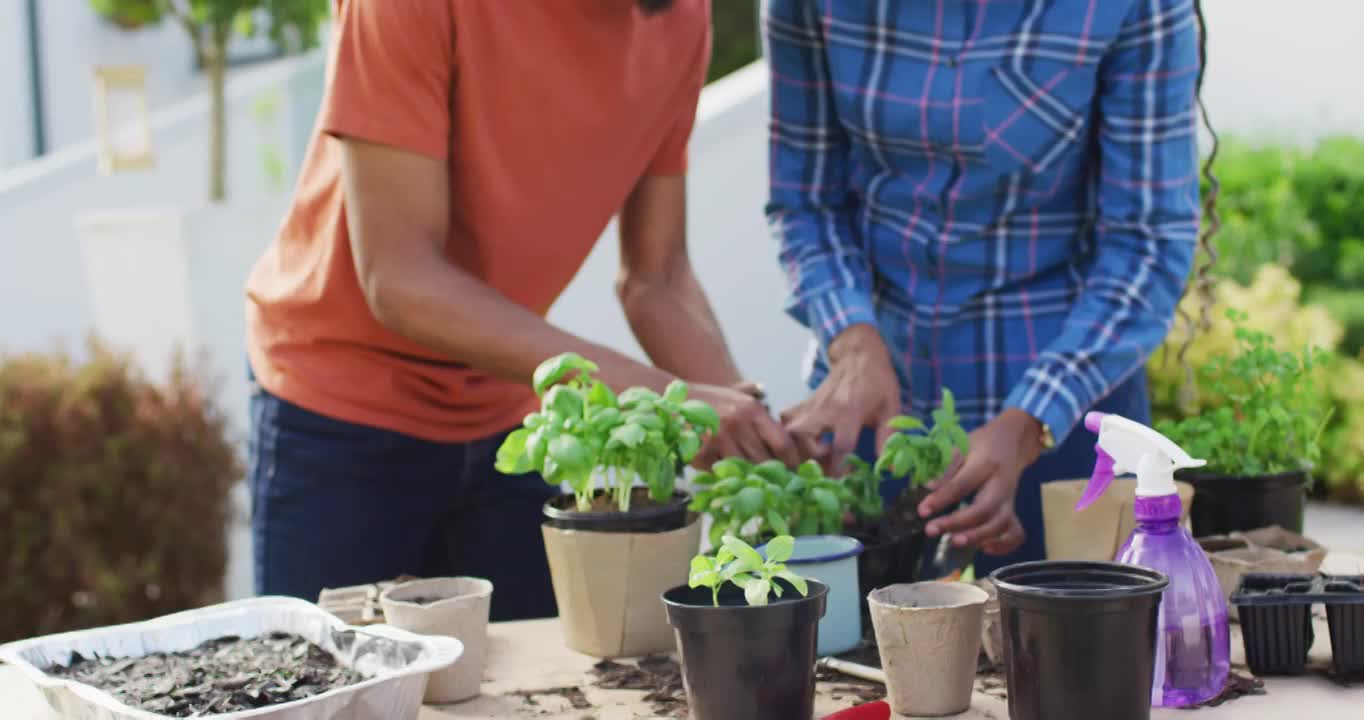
pixel 548 112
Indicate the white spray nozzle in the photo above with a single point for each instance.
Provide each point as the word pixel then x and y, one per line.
pixel 1127 446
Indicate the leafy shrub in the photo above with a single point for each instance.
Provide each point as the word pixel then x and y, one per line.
pixel 113 493
pixel 734 43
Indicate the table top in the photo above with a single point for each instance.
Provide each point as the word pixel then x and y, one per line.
pixel 529 656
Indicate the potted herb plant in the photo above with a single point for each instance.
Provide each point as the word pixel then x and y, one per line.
pixel 893 538
pixel 746 633
pixel 613 545
pixel 1262 444
pixel 756 502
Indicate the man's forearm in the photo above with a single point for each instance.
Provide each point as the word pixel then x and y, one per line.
pixel 675 325
pixel 442 307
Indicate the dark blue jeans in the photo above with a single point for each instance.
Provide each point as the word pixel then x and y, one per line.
pixel 337 504
pixel 1072 460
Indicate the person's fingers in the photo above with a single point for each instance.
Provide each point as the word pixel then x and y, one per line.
pixel 1009 541
pixel 778 441
pixel 991 529
pixel 715 449
pixel 809 446
pixel 846 430
pixel 955 487
pixel 988 501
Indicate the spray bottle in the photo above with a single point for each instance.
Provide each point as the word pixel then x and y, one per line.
pixel 1193 653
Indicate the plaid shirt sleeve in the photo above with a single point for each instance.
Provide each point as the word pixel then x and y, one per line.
pixel 811 210
pixel 1147 222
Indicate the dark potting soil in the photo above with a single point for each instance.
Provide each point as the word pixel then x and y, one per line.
pixel 573 694
pixel 222 675
pixel 900 519
pixel 657 675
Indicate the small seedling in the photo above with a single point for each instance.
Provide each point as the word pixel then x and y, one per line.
pixel 738 563
pixel 583 429
pixel 924 456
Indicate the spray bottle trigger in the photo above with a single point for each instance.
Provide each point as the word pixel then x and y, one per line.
pixel 1100 480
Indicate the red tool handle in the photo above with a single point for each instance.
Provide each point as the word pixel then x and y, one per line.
pixel 878 710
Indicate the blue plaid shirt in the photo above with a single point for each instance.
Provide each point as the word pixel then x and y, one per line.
pixel 1007 189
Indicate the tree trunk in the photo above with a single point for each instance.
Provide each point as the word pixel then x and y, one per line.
pixel 215 65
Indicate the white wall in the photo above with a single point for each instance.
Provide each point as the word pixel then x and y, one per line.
pixel 16 133
pixel 1285 69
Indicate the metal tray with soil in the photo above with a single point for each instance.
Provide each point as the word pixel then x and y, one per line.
pixel 299 663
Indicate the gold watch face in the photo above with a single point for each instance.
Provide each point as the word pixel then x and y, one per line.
pixel 1048 441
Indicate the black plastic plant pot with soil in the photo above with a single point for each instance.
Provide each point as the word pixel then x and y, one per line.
pixel 1224 504
pixel 1276 621
pixel 742 662
pixel 644 516
pixel 1079 638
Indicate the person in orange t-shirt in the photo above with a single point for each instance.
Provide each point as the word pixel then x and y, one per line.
pixel 466 159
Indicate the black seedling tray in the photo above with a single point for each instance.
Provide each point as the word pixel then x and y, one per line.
pixel 1276 620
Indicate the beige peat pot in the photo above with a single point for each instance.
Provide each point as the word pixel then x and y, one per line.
pixel 609 586
pixel 1096 533
pixel 928 635
pixel 454 607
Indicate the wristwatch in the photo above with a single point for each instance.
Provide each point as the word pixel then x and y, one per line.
pixel 1048 440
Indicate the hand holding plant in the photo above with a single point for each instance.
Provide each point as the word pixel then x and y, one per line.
pixel 738 563
pixel 583 427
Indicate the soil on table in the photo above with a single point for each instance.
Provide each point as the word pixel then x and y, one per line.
pixel 657 675
pixel 223 675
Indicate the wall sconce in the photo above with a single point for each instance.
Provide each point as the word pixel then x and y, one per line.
pixel 122 121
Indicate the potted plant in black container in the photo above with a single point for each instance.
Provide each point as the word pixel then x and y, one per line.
pixel 746 633
pixel 893 537
pixel 613 545
pixel 1262 444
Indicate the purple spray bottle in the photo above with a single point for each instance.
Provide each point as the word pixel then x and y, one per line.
pixel 1193 652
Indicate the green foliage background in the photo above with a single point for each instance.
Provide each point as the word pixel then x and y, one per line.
pixel 735 42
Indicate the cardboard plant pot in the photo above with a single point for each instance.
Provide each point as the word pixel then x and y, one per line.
pixel 453 607
pixel 607 585
pixel 1272 550
pixel 928 635
pixel 1095 533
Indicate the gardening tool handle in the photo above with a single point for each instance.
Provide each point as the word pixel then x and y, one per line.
pixel 878 710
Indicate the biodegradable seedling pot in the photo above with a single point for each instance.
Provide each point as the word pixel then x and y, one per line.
pixel 832 560
pixel 607 584
pixel 1079 638
pixel 742 662
pixel 1271 550
pixel 1095 533
pixel 928 635
pixel 1276 621
pixel 453 607
pixel 1225 504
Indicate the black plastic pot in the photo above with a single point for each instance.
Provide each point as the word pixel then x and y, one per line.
pixel 886 562
pixel 1276 621
pixel 644 517
pixel 747 663
pixel 1079 638
pixel 1224 504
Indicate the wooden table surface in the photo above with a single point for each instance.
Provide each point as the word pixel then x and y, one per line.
pixel 529 656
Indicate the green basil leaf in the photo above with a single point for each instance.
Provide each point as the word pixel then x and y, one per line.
pixel 557 368
pixel 700 414
pixel 808 524
pixel 810 470
pixel 570 453
pixel 745 557
pixel 537 444
pixel 675 393
pixel 688 444
pixel 779 549
pixel 511 454
pixel 796 581
pixel 630 435
pixel 825 500
pixel 905 422
pixel 748 503
pixel 777 523
pixel 566 400
pixel 635 395
pixel 728 485
pixel 796 486
pixel 730 467
pixel 756 592
pixel 601 395
pixel 704 478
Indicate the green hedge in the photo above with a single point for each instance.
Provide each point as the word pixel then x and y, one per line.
pixel 735 42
